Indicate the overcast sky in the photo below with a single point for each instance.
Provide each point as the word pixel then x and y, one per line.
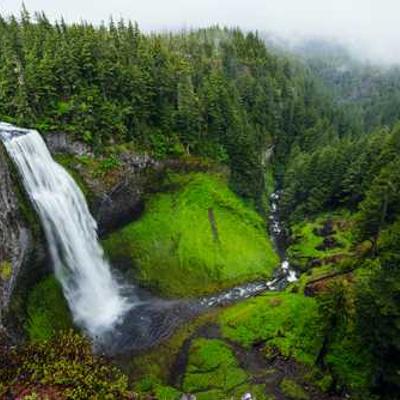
pixel 373 25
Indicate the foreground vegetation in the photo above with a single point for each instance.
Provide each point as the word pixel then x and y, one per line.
pixel 62 368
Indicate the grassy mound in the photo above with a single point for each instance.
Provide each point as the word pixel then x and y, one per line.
pixel 286 321
pixel 47 310
pixel 196 238
pixel 214 373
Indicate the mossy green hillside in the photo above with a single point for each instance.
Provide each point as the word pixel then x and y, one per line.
pixel 47 310
pixel 324 273
pixel 285 321
pixel 196 238
pixel 310 242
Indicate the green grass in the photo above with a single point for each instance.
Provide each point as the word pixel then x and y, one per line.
pixel 286 321
pixel 213 372
pixel 212 365
pixel 305 240
pixel 150 386
pixel 167 393
pixel 293 390
pixel 47 310
pixel 173 247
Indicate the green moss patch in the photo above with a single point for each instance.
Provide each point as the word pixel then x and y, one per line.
pixel 153 387
pixel 293 390
pixel 286 321
pixel 326 239
pixel 317 274
pixel 5 270
pixel 197 238
pixel 47 310
pixel 212 365
pixel 214 373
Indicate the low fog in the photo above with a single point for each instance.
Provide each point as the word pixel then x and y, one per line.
pixel 370 27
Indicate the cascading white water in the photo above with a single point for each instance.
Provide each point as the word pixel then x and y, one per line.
pixel 91 291
pixel 276 232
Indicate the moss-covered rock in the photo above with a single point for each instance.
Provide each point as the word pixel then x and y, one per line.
pixel 21 246
pixel 5 270
pixel 113 184
pixel 293 390
pixel 211 366
pixel 213 372
pixel 47 310
pixel 196 238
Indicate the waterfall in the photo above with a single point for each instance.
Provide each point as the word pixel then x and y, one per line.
pixel 93 294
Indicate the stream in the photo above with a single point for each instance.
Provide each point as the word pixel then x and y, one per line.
pixel 152 320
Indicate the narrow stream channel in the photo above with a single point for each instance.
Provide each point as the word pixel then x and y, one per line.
pixel 152 319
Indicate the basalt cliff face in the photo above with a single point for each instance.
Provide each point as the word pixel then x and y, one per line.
pixel 115 196
pixel 22 257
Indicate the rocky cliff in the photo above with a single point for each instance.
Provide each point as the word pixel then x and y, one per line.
pixel 20 253
pixel 114 194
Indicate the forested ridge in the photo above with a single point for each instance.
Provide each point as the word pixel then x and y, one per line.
pixel 220 94
pixel 215 93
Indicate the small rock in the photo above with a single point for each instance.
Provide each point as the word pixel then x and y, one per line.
pixel 188 397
